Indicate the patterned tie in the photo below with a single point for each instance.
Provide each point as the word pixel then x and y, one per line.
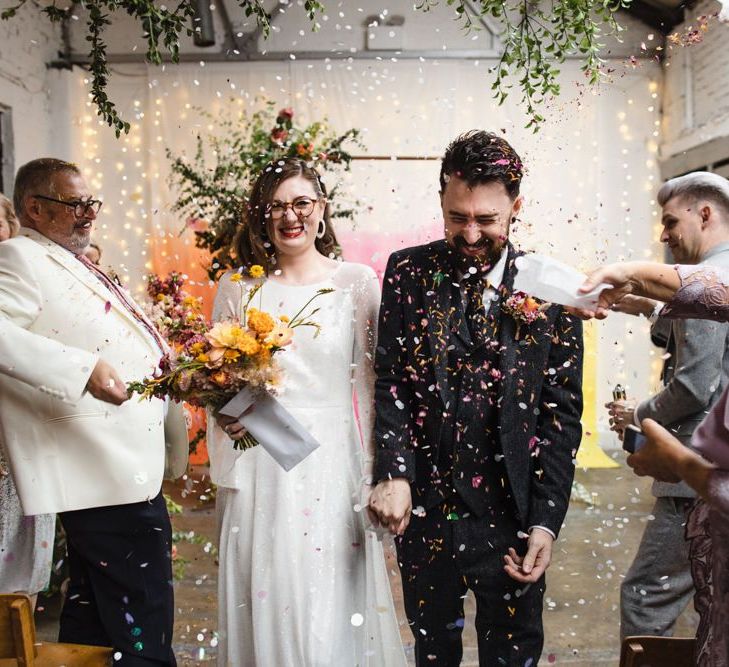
pixel 475 285
pixel 125 300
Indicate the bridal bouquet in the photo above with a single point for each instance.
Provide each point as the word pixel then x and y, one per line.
pixel 209 364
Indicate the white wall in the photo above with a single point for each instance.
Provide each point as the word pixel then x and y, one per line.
pixel 27 43
pixel 696 102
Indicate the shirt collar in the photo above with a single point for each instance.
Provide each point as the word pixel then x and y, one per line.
pixel 719 247
pixel 496 275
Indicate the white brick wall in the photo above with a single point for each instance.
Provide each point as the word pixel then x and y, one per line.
pixel 696 99
pixel 27 43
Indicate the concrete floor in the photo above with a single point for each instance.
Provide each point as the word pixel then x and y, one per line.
pixel 581 613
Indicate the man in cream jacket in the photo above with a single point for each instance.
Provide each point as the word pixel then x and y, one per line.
pixel 70 339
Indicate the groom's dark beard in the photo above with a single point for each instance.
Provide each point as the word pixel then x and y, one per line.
pixel 488 257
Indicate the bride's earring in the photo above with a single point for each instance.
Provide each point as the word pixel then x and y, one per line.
pixel 322 229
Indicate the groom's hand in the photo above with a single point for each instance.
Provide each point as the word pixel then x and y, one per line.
pixel 528 569
pixel 392 502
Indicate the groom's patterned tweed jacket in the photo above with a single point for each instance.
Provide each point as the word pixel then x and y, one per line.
pixel 540 405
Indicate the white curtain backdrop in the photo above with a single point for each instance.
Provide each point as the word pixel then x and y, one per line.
pixel 589 188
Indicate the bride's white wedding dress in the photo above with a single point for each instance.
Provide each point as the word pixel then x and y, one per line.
pixel 301 582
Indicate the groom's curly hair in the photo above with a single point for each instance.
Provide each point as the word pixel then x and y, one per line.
pixel 481 157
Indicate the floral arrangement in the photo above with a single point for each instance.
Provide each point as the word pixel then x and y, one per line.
pixel 525 309
pixel 212 196
pixel 208 364
pixel 173 311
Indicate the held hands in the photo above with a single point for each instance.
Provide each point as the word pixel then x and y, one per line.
pixel 391 503
pixel 621 415
pixel 531 567
pixel 660 456
pixel 105 385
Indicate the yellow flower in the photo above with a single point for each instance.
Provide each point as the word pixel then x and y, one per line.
pixel 224 334
pixel 280 336
pixel 256 271
pixel 236 277
pixel 247 344
pixel 160 297
pixel 284 318
pixel 231 355
pixel 202 358
pixel 197 348
pixel 191 302
pixel 260 322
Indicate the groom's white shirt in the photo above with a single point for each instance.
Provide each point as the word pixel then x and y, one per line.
pixel 66 449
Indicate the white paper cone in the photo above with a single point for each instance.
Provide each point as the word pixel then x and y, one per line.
pixel 275 428
pixel 550 280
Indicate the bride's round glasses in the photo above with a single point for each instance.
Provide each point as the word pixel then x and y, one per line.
pixel 302 207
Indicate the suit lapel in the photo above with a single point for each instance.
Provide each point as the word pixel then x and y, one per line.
pixel 438 297
pixel 507 344
pixel 66 259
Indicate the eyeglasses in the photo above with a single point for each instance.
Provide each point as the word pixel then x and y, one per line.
pixel 302 207
pixel 80 206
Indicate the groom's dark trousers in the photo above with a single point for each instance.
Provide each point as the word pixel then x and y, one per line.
pixel 120 593
pixel 441 557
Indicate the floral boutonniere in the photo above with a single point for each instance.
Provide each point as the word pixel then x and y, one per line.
pixel 525 309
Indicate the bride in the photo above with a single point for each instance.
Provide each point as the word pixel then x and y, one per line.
pixel 302 583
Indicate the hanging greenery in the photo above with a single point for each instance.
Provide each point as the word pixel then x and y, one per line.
pixel 536 38
pixel 214 183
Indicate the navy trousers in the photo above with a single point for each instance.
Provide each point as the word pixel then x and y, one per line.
pixel 121 582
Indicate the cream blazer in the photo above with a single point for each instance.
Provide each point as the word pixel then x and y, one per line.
pixel 67 450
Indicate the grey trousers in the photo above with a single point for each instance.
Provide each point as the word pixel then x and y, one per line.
pixel 658 585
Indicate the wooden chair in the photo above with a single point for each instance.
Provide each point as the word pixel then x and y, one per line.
pixel 18 645
pixel 657 652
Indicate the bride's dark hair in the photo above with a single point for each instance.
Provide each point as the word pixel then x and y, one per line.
pixel 251 243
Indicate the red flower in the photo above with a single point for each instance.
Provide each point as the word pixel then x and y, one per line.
pixel 287 113
pixel 279 135
pixel 303 150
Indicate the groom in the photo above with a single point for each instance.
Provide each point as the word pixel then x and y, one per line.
pixel 478 400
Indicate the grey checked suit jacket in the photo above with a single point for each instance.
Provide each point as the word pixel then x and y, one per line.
pixel 696 374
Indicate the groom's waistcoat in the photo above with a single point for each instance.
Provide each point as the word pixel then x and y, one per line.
pixel 470 461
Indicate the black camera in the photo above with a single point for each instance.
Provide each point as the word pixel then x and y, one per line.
pixel 633 439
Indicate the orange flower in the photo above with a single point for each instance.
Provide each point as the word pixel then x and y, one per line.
pixel 260 322
pixel 531 305
pixel 220 378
